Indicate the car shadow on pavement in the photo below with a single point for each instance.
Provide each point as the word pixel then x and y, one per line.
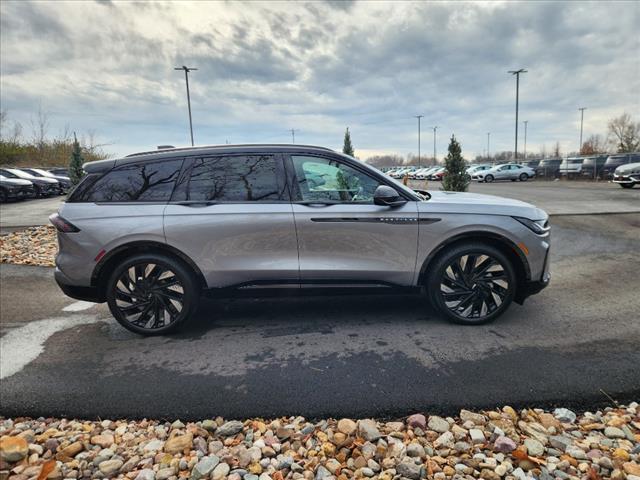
pixel 305 314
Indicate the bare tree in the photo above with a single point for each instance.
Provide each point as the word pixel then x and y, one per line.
pixel 556 150
pixel 624 133
pixel 40 128
pixel 593 145
pixel 9 133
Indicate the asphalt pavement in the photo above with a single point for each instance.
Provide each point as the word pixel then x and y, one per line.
pixel 574 344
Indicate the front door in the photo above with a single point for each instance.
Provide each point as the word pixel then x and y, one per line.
pixel 343 237
pixel 234 219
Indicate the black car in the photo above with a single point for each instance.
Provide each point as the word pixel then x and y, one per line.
pixel 59 171
pixel 65 182
pixel 595 162
pixel 15 189
pixel 549 168
pixel 530 163
pixel 614 161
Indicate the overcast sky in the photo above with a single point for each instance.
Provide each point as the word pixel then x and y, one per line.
pixel 267 67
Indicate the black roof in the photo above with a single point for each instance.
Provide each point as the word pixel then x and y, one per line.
pixel 160 154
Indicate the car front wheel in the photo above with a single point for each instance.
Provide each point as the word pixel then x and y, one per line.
pixel 627 185
pixel 471 283
pixel 489 178
pixel 152 294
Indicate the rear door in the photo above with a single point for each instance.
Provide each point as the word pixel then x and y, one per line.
pixel 343 237
pixel 232 215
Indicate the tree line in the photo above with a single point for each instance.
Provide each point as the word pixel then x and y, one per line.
pixel 35 146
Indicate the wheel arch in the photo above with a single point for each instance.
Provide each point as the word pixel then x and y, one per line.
pixel 107 263
pixel 504 244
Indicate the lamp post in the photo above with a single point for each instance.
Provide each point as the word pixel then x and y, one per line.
pixel 419 117
pixel 186 78
pixel 525 138
pixel 435 158
pixel 517 74
pixel 488 142
pixel 582 109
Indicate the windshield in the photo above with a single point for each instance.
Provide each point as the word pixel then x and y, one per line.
pixel 42 173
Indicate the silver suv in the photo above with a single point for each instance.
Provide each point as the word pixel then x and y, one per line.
pixel 150 232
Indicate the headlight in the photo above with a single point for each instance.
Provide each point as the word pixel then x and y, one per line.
pixel 538 227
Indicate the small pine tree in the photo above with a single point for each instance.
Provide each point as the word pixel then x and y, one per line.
pixel 455 178
pixel 75 164
pixel 347 148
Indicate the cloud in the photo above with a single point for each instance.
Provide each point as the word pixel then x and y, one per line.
pixel 264 68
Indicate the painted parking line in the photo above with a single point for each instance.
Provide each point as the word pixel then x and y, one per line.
pixel 23 345
pixel 78 306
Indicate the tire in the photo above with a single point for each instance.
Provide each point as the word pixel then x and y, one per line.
pixel 485 295
pixel 133 291
pixel 489 178
pixel 524 177
pixel 627 185
pixel 37 192
pixel 3 195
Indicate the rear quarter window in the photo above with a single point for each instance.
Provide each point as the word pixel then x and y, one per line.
pixel 145 182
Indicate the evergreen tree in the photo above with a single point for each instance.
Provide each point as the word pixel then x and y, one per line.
pixel 347 148
pixel 75 164
pixel 455 178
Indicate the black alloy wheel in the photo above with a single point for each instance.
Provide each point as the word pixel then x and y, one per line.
pixel 152 294
pixel 472 284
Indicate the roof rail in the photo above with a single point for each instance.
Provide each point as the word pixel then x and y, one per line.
pixel 225 146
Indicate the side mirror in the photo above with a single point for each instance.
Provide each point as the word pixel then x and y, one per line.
pixel 388 197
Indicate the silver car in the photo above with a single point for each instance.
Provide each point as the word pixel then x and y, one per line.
pixel 150 232
pixel 507 171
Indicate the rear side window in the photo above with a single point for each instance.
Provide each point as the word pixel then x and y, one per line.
pixel 146 182
pixel 242 178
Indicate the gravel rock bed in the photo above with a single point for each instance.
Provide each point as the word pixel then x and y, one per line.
pixel 31 246
pixel 492 445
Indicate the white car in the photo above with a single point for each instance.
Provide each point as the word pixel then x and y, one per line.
pixel 627 176
pixel 478 168
pixel 507 171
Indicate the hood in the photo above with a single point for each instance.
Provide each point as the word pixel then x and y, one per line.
pixel 14 181
pixel 476 203
pixel 628 168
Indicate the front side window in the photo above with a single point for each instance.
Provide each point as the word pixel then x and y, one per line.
pixel 241 178
pixel 321 179
pixel 146 182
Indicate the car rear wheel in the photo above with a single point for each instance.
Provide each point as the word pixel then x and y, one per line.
pixel 489 178
pixel 524 177
pixel 152 294
pixel 471 283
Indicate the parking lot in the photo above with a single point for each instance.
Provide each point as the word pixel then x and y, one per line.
pixel 574 343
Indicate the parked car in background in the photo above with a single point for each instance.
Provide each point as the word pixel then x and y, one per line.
pixel 507 171
pixel 614 161
pixel 549 168
pixel 308 217
pixel 59 171
pixel 478 168
pixel 44 187
pixel 65 182
pixel 530 163
pixel 627 176
pixel 426 173
pixel 437 174
pixel 15 189
pixel 593 165
pixel 571 167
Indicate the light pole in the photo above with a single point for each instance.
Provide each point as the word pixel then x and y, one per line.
pixel 186 78
pixel 293 135
pixel 488 142
pixel 525 138
pixel 582 109
pixel 419 117
pixel 517 74
pixel 435 158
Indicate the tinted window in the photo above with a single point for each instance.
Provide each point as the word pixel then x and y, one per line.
pixel 243 178
pixel 322 179
pixel 147 182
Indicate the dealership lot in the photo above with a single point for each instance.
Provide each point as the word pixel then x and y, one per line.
pixel 344 355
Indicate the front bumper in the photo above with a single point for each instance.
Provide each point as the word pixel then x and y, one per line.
pixel 626 179
pixel 89 294
pixel 535 286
